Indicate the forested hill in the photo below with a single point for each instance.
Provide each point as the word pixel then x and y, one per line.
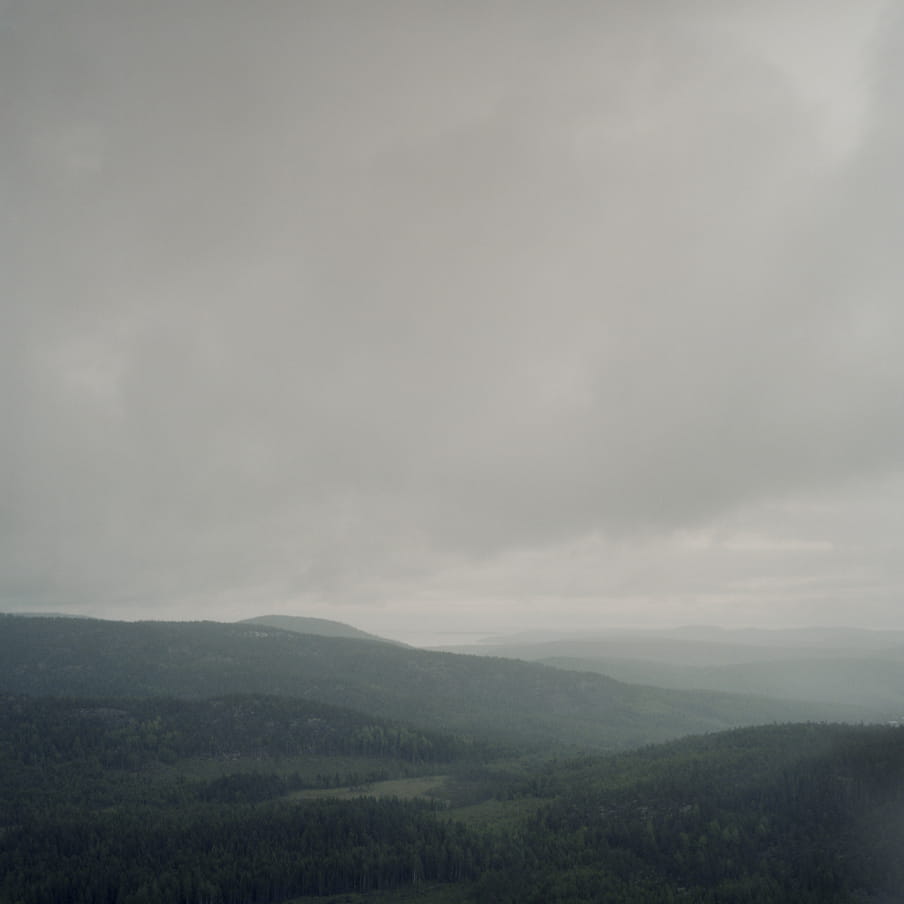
pixel 106 802
pixel 137 733
pixel 808 814
pixel 494 698
pixel 322 626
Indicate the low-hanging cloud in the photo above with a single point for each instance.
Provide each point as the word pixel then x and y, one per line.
pixel 331 302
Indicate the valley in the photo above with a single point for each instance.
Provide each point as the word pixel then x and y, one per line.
pixel 185 762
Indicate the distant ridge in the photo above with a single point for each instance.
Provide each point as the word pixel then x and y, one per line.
pixel 854 666
pixel 322 627
pixel 487 698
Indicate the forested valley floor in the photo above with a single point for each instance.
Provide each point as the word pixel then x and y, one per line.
pixel 262 798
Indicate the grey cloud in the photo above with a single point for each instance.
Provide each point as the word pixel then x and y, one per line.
pixel 335 301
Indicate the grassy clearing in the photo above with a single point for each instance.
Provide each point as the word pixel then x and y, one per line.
pixel 492 814
pixel 401 788
pixel 426 893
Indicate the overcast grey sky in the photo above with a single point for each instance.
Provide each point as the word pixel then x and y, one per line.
pixel 431 316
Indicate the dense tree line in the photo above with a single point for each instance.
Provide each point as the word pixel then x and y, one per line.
pixel 60 756
pixel 233 855
pixel 787 813
pixel 765 816
pixel 127 733
pixel 102 801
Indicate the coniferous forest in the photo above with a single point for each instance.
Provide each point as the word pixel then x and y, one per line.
pixel 266 797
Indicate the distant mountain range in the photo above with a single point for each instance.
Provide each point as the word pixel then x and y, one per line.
pixel 495 698
pixel 695 645
pixel 827 665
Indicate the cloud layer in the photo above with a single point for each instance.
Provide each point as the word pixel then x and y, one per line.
pixel 451 307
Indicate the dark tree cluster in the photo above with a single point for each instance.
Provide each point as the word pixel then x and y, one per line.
pixel 233 855
pixel 787 813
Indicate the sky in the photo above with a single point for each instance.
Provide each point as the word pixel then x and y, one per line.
pixel 439 317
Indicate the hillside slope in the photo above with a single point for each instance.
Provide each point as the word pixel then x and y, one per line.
pixel 494 698
pixel 322 627
pixel 152 801
pixel 874 682
pixel 839 666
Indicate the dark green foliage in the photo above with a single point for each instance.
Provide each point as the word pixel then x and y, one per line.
pixel 41 728
pixel 157 799
pixel 788 813
pixel 71 759
pixel 808 813
pixel 94 805
pixel 233 854
pixel 512 701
